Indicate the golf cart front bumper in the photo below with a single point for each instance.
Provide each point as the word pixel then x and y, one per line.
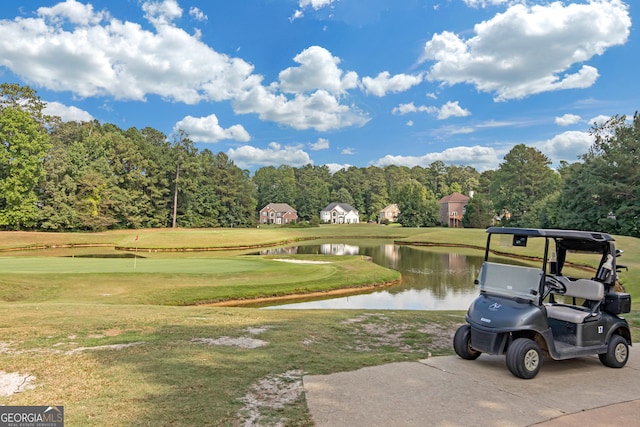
pixel 489 340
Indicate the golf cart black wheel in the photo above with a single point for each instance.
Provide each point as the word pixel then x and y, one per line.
pixel 524 358
pixel 617 353
pixel 462 343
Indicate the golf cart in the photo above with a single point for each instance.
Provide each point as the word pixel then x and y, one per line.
pixel 560 308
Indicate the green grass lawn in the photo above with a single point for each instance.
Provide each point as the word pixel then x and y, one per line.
pixel 121 341
pixel 179 281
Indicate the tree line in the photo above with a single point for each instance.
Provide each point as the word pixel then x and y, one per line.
pixel 73 176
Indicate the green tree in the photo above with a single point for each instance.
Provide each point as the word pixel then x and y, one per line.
pixel 184 183
pixel 352 180
pixel 223 195
pixel 26 99
pixel 484 182
pixel 23 147
pixel 603 192
pixel 396 177
pixel 479 212
pixel 521 180
pixel 463 179
pixel 63 166
pixel 376 196
pixel 436 175
pixel 313 190
pixel 159 171
pixel 543 213
pixel 275 185
pixel 342 196
pixel 418 207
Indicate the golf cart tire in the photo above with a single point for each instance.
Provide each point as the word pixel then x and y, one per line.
pixel 462 343
pixel 617 353
pixel 524 358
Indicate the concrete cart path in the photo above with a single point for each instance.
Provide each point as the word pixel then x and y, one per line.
pixel 448 391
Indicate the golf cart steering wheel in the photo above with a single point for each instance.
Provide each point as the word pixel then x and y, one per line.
pixel 555 285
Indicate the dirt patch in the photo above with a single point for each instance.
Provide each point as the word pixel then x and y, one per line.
pixel 103 347
pixel 268 394
pixel 240 342
pixel 257 330
pixel 376 330
pixel 14 382
pixel 441 337
pixel 5 347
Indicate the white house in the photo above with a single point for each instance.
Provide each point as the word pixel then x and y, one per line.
pixel 339 213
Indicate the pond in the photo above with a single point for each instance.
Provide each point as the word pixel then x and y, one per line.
pixel 432 278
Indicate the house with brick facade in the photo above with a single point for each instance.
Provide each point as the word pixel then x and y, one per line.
pixel 452 208
pixel 389 213
pixel 278 213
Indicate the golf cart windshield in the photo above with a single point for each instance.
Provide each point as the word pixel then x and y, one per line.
pixel 511 281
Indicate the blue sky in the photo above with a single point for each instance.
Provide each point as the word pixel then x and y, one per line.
pixel 335 82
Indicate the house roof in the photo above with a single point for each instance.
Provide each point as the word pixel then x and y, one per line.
pixel 391 207
pixel 344 206
pixel 280 207
pixel 453 198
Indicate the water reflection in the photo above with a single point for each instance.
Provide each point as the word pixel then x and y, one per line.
pixel 432 279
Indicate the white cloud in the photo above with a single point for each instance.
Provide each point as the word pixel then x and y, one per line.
pixel 67 113
pixel 410 123
pixel 452 109
pixel 161 12
pixel 275 155
pixel 599 120
pixel 530 49
pixel 316 4
pixel 296 15
pixel 335 167
pixel 566 146
pixel 74 12
pixel 71 47
pixel 313 95
pixel 403 109
pixel 568 120
pixel 207 129
pixel 449 109
pixel 348 151
pixel 461 131
pixel 320 144
pixel 197 14
pixel 320 110
pixel 384 83
pixel 484 3
pixel 318 70
pixel 482 158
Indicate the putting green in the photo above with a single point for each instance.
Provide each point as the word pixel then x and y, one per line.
pixel 67 265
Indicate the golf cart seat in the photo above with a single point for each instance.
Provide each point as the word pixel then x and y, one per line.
pixel 589 290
